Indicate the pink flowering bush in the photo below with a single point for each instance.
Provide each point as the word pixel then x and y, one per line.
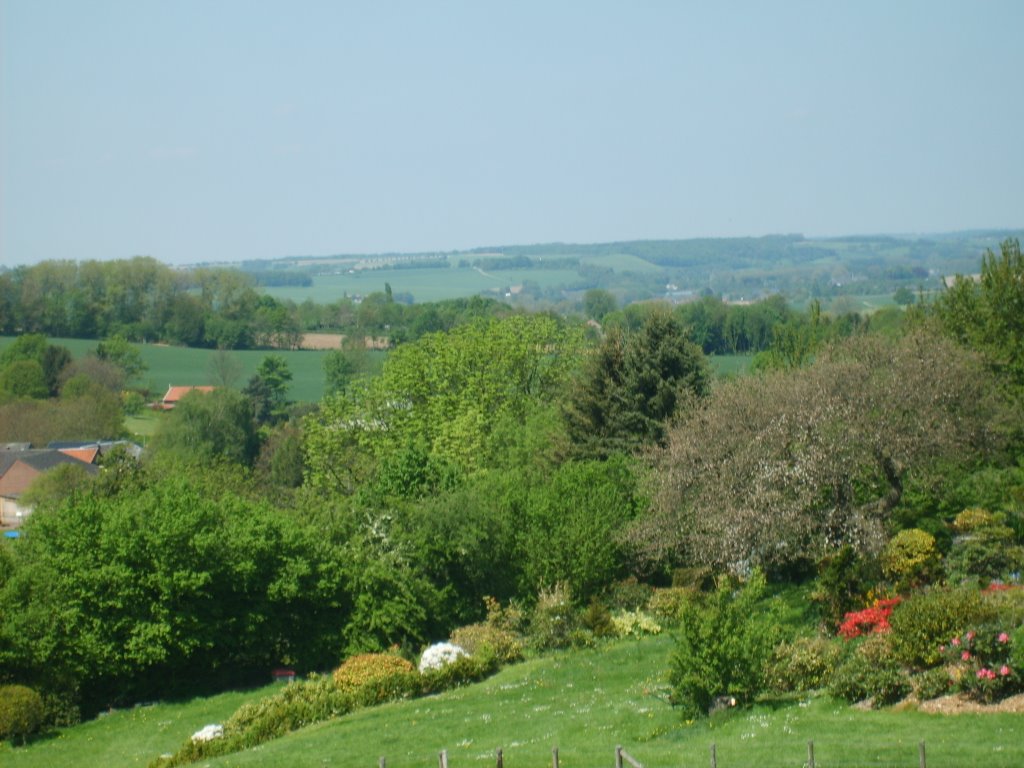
pixel 981 664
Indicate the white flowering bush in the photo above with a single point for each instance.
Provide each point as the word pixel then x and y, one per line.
pixel 209 733
pixel 440 655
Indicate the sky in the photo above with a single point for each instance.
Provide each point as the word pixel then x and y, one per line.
pixel 221 130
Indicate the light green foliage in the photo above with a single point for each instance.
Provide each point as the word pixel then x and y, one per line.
pixel 722 648
pixel 24 378
pixel 910 558
pixel 21 712
pixel 206 426
pixel 574 523
pixel 634 624
pixel 86 411
pixel 668 604
pixel 928 619
pixel 446 393
pixel 165 587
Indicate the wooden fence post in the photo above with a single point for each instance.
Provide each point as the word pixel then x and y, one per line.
pixel 382 763
pixel 501 758
pixel 920 756
pixel 810 754
pixel 442 759
pixel 618 757
pixel 714 757
pixel 554 757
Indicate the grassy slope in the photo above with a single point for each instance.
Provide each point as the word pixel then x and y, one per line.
pixel 584 703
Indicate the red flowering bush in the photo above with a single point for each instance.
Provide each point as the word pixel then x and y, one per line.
pixel 873 620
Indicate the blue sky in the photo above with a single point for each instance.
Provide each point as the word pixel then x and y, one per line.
pixel 200 130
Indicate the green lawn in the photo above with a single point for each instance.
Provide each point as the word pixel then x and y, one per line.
pixel 585 703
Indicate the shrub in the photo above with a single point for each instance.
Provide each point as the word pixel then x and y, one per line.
pixel 873 620
pixel 932 683
pixel 844 579
pixel 510 618
pixel 634 624
pixel 872 672
pixel 440 655
pixel 597 620
pixel 553 621
pixel 696 578
pixel 505 646
pixel 972 518
pixel 983 663
pixel 910 558
pixel 722 648
pixel 629 595
pixel 927 619
pixel 365 668
pixel 464 669
pixel 21 712
pixel 985 548
pixel 669 603
pixel 804 664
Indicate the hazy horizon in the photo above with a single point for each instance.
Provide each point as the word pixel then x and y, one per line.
pixel 195 132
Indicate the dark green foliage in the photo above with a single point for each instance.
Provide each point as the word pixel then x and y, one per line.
pixel 872 672
pixel 21 712
pixel 844 579
pixel 989 314
pixel 267 390
pixel 631 385
pixel 339 369
pixel 119 352
pixel 986 552
pixel 723 647
pixel 929 618
pixel 597 619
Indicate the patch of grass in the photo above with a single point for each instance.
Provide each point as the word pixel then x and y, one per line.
pixel 726 366
pixel 129 737
pixel 584 702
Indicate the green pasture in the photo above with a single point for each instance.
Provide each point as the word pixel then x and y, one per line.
pixel 187 366
pixel 424 284
pixel 582 702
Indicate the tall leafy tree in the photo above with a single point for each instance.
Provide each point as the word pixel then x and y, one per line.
pixel 206 426
pixel 268 390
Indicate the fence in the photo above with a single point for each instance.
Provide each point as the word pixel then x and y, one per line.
pixel 623 758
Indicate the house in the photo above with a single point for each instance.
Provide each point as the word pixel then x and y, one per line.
pixel 174 394
pixel 91 451
pixel 18 470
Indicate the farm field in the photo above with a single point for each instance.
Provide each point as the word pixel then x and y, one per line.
pixel 183 365
pixel 424 284
pixel 583 702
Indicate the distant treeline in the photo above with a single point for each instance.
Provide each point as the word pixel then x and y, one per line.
pixel 498 263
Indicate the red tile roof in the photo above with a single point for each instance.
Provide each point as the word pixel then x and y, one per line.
pixel 174 394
